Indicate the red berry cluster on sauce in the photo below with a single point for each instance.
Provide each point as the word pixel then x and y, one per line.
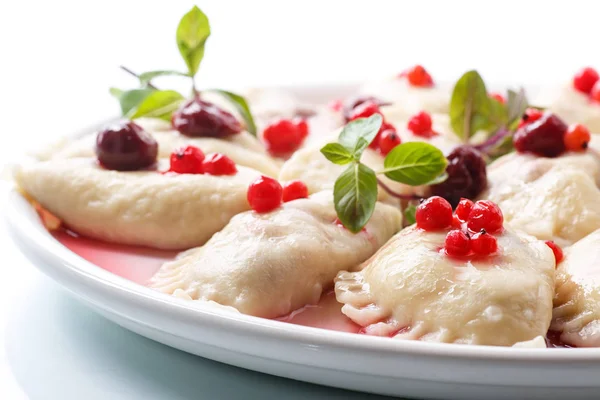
pixel 471 227
pixel 284 136
pixel 420 124
pixel 587 81
pixel 546 135
pixel 267 194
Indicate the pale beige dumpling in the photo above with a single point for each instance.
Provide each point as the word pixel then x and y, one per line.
pixel 577 298
pixel 549 198
pixel 411 290
pixel 167 211
pixel 268 265
pixel 243 148
pixel 572 106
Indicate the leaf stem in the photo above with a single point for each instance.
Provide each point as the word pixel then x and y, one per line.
pixel 493 140
pixel 397 195
pixel 130 72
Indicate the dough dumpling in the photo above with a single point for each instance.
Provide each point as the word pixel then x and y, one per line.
pixel 577 298
pixel 137 208
pixel 549 198
pixel 572 106
pixel 268 265
pixel 411 290
pixel 243 148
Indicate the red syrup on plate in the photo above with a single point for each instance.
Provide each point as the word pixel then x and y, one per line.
pixel 138 264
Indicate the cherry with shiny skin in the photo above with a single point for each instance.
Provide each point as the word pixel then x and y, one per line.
pixel 433 214
pixel 284 136
pixel 420 124
pixel 544 137
pixel 558 253
pixel 187 160
pixel 218 164
pixel 294 190
pixel 264 194
pixel 585 79
pixel 482 243
pixel 486 215
pixel 463 209
pixel 125 146
pixel 457 243
pixel 388 140
pixel 199 118
pixel 577 137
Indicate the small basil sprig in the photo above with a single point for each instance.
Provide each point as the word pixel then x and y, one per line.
pixel 193 31
pixel 355 190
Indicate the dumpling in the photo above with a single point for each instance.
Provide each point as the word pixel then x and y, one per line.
pixel 268 265
pixel 242 148
pixel 577 298
pixel 549 198
pixel 411 290
pixel 572 105
pixel 138 208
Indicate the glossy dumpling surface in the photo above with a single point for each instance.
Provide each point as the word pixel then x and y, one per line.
pixel 409 289
pixel 270 264
pixel 550 198
pixel 138 208
pixel 577 299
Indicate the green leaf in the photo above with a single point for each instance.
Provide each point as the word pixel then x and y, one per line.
pixel 242 107
pixel 470 106
pixel 516 104
pixel 146 77
pixel 414 163
pixel 116 92
pixel 158 104
pixel 130 99
pixel 192 33
pixel 337 154
pixel 409 214
pixel 355 195
pixel 498 115
pixel 358 134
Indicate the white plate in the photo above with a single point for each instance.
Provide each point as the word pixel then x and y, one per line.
pixel 345 360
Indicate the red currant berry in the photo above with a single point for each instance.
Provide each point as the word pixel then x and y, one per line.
pixel 218 164
pixel 585 79
pixel 486 215
pixel 558 253
pixel 530 115
pixel 544 137
pixel 498 97
pixel 457 243
pixel 420 124
pixel 365 110
pixel 456 222
pixel 387 141
pixel 125 146
pixel 385 126
pixel 463 209
pixel 200 118
pixel 433 214
pixel 418 76
pixel 264 194
pixel 595 93
pixel 351 104
pixel 293 190
pixel 187 160
pixel 483 243
pixel 577 137
pixel 284 136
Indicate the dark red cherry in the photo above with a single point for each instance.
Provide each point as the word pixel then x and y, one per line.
pixel 125 146
pixel 197 117
pixel 544 137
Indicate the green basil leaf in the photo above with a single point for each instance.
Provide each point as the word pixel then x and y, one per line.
pixel 355 195
pixel 130 99
pixel 337 154
pixel 116 92
pixel 470 106
pixel 517 103
pixel 414 163
pixel 158 104
pixel 192 33
pixel 358 134
pixel 146 77
pixel 242 107
pixel 409 214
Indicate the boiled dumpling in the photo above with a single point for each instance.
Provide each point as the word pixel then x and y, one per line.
pixel 270 264
pixel 411 290
pixel 137 208
pixel 549 198
pixel 577 299
pixel 242 148
pixel 572 106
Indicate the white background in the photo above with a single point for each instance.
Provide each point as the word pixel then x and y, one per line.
pixel 58 59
